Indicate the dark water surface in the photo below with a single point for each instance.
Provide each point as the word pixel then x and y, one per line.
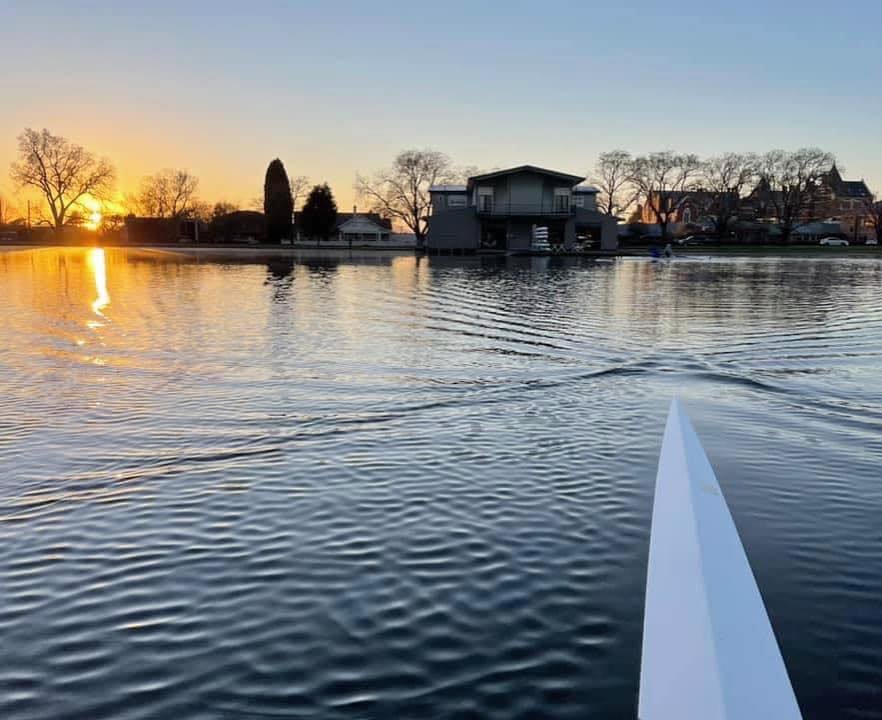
pixel 236 487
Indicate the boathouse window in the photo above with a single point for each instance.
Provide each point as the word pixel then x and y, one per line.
pixel 456 201
pixel 561 199
pixel 485 199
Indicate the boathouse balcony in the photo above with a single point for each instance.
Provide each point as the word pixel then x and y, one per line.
pixel 556 207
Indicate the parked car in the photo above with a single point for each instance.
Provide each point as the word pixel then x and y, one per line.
pixel 872 241
pixel 833 241
pixel 694 240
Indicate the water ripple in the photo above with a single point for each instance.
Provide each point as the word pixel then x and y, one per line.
pixel 332 487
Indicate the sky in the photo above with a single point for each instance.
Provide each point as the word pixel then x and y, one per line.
pixel 338 88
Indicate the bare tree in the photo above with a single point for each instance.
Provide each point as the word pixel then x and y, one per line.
pixel 612 176
pixel 402 191
pixel 8 211
pixel 661 180
pixel 790 185
pixel 221 208
pixel 112 224
pixel 725 180
pixel 300 188
pixel 462 174
pixel 201 210
pixel 168 194
pixel 63 172
pixel 77 218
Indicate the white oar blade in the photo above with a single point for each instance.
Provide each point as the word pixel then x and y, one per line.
pixel 709 652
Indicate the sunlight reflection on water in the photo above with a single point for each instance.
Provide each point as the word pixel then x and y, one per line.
pixel 98 265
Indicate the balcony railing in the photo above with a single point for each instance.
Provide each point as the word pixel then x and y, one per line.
pixel 533 208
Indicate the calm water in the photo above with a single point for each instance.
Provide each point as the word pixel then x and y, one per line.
pixel 390 488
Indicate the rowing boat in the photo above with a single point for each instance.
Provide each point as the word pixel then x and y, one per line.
pixel 709 652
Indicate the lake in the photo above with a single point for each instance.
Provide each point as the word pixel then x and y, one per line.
pixel 239 485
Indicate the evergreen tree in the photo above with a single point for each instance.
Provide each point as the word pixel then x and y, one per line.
pixel 319 214
pixel 278 207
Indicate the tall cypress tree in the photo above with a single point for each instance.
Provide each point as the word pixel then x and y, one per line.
pixel 320 213
pixel 278 207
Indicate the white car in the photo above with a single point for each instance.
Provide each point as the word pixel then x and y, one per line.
pixel 872 241
pixel 839 242
pixel 692 240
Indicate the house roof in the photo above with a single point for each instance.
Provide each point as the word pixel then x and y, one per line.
pixel 345 217
pixel 846 188
pixel 853 188
pixel 696 193
pixel 375 218
pixel 572 179
pixel 586 190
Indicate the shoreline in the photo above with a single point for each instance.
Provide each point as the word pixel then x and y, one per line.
pixel 732 250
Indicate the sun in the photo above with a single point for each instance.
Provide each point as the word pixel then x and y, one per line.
pixel 94 220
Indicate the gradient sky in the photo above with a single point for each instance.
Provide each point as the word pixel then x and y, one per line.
pixel 335 88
